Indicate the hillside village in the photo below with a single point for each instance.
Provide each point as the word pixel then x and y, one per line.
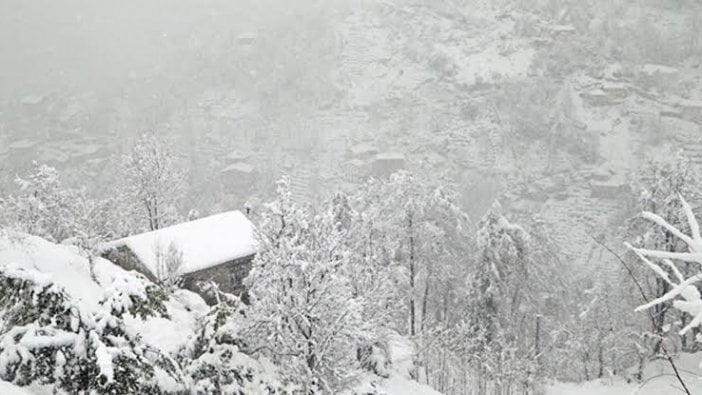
pixel 457 89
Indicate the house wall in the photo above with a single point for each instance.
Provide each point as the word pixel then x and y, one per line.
pixel 692 112
pixel 607 190
pixel 229 276
pixel 125 258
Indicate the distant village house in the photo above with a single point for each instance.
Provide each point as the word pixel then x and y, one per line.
pixel 217 248
pixel 387 163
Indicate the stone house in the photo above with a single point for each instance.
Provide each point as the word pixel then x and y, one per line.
pixel 217 248
pixel 238 179
pixel 595 97
pixel 387 163
pixel 657 75
pixel 691 110
pixel 608 189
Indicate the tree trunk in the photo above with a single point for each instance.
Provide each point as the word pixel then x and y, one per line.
pixel 424 306
pixel 156 225
pixel 91 264
pixel 537 343
pixel 412 273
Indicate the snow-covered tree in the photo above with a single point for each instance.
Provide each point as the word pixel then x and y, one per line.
pixel 515 289
pixel 419 230
pixel 503 266
pixel 152 181
pixel 683 292
pixel 169 261
pixel 304 315
pixel 498 289
pixel 411 244
pixel 43 207
pixel 92 225
pixel 372 275
pixel 659 187
pixel 599 336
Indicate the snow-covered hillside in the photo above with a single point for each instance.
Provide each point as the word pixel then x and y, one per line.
pixel 65 267
pixel 64 270
pixel 9 388
pixel 108 317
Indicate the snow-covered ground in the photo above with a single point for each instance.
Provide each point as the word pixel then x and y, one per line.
pixel 11 389
pixel 399 381
pixel 600 387
pixel 169 335
pixel 63 265
pixel 658 380
pixel 69 270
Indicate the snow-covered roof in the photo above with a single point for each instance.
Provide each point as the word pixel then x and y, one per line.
pixel 658 68
pixel 363 148
pixel 204 243
pixel 596 92
pixel 33 99
pixel 241 167
pixel 356 162
pixel 247 39
pixel 613 85
pixel 237 155
pixel 248 36
pixel 690 103
pixel 390 156
pixel 562 28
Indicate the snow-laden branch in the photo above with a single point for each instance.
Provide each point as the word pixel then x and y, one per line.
pixel 694 226
pixel 656 269
pixel 685 288
pixel 682 256
pixel 674 268
pixel 677 290
pixel 655 218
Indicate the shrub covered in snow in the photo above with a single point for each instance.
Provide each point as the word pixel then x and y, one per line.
pixel 52 340
pixel 215 363
pixel 135 294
